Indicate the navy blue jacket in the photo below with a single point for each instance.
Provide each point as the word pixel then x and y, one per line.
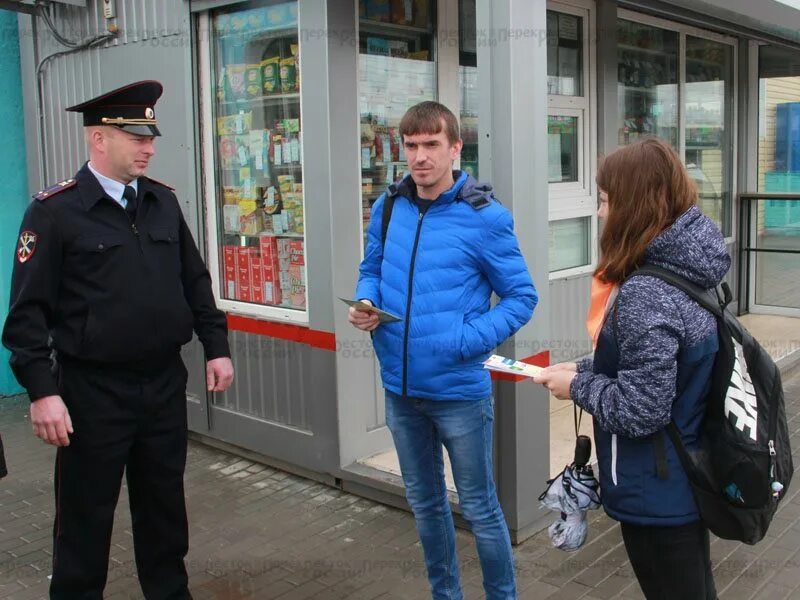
pixel 653 363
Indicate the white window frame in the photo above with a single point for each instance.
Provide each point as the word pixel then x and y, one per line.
pixel 237 307
pixel 571 200
pixel 682 31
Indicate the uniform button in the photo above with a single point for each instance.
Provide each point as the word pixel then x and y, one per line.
pixel 100 246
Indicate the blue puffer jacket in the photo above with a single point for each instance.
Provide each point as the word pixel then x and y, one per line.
pixel 437 272
pixel 653 364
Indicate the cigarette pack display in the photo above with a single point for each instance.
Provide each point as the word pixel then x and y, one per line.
pixel 272 293
pixel 230 255
pixel 256 271
pixel 245 292
pixel 269 248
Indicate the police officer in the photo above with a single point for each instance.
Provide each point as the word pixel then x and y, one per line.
pixel 107 274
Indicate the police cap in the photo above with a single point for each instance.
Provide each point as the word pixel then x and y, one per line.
pixel 130 108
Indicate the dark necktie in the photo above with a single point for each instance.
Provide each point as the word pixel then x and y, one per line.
pixel 130 195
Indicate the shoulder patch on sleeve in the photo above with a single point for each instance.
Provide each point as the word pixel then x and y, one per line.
pixel 55 189
pixel 161 183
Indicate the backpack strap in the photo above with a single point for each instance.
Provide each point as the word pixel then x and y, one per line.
pixel 704 297
pixel 386 214
pixel 683 454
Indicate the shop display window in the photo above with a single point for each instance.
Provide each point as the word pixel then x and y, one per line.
pixel 468 86
pixel 647 76
pixel 564 54
pixel 562 149
pixel 659 93
pixel 709 139
pixel 258 155
pixel 569 243
pixel 397 69
pixel 570 134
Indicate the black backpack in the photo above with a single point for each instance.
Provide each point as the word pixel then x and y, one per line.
pixel 742 466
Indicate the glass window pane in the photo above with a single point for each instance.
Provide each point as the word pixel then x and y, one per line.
pixel 468 85
pixel 562 146
pixel 258 154
pixel 647 77
pixel 777 276
pixel 709 123
pixel 564 54
pixel 396 71
pixel 569 243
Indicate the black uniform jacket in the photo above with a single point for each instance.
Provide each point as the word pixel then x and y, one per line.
pixel 105 288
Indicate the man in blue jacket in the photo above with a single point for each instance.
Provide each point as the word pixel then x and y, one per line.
pixel 449 244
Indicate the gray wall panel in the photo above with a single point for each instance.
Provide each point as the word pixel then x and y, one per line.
pixel 276 381
pixel 569 299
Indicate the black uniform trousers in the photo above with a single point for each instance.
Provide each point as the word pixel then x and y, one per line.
pixel 132 420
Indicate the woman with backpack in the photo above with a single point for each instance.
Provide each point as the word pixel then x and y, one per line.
pixel 652 363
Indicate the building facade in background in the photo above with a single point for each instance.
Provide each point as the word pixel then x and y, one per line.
pixel 280 129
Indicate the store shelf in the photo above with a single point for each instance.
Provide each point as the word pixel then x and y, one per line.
pixel 265 234
pixel 384 28
pixel 262 34
pixel 650 51
pixel 273 99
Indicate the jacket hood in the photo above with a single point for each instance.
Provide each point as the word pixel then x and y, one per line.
pixel 693 246
pixel 473 190
pixel 465 187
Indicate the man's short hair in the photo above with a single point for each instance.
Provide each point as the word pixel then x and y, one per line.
pixel 430 117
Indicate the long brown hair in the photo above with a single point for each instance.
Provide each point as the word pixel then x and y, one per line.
pixel 648 189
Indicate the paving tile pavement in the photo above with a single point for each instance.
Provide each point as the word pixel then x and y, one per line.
pixel 259 533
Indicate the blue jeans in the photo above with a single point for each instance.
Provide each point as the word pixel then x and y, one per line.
pixel 419 428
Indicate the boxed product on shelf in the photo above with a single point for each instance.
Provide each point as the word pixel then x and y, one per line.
pixel 236 76
pixel 253 81
pixel 250 222
pixel 297 286
pixel 378 10
pixel 256 279
pixel 421 13
pixel 402 12
pixel 378 46
pixel 270 74
pixel 288 74
pixel 296 252
pixel 231 218
pixel 233 124
pixel 231 276
pixel 244 259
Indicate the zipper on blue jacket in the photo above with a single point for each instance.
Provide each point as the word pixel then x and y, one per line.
pixel 408 304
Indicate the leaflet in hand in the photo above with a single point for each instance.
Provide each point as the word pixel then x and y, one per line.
pixel 502 364
pixel 383 316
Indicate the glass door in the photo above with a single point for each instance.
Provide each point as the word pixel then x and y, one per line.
pixel 709 138
pixel 677 83
pixel 775 274
pixel 647 81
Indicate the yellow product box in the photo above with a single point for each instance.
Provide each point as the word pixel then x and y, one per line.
pixel 233 124
pixel 237 75
pixel 288 75
pixel 253 81
pixel 231 194
pixel 285 183
pixel 270 75
pixel 250 222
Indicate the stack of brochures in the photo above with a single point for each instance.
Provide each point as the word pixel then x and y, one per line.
pixel 502 364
